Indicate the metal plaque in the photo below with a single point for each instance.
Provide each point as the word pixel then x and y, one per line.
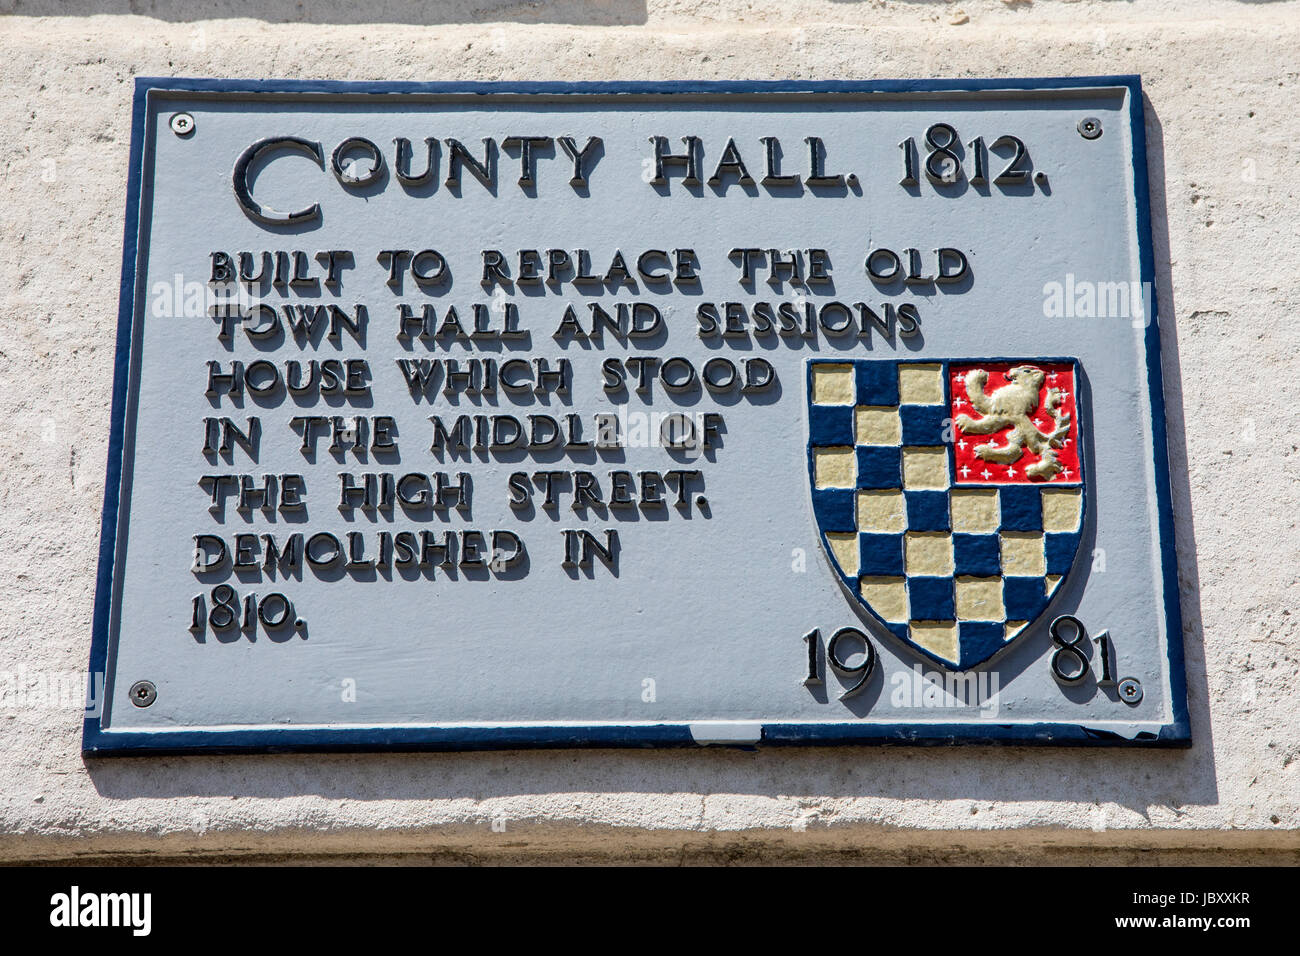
pixel 485 416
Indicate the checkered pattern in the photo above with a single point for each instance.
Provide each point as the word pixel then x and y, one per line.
pixel 954 570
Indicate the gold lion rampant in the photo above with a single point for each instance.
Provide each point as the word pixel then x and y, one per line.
pixel 1010 406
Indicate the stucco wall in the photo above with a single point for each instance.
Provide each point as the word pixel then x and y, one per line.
pixel 1221 81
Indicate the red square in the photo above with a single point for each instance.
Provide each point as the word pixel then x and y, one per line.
pixel 1007 431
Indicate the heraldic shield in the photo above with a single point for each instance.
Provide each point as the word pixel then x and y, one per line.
pixel 949 494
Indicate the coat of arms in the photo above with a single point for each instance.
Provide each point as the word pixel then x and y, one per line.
pixel 949 494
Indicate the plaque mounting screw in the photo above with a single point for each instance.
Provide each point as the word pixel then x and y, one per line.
pixel 182 124
pixel 1130 690
pixel 1089 127
pixel 143 693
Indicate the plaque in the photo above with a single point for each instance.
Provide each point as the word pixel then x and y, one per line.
pixel 464 416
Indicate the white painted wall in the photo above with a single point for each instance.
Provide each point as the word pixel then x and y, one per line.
pixel 1223 123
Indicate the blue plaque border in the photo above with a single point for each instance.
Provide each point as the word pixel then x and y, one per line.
pixel 98 739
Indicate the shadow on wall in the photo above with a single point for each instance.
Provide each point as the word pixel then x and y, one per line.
pixel 421 12
pixel 1134 779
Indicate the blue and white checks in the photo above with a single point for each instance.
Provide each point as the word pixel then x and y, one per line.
pixel 953 568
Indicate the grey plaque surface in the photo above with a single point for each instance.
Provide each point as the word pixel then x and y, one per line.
pixel 695 628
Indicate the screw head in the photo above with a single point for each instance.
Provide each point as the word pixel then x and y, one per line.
pixel 1130 690
pixel 143 693
pixel 1089 127
pixel 182 124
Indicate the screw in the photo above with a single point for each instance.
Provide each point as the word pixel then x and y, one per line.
pixel 143 693
pixel 1130 690
pixel 182 124
pixel 1090 127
